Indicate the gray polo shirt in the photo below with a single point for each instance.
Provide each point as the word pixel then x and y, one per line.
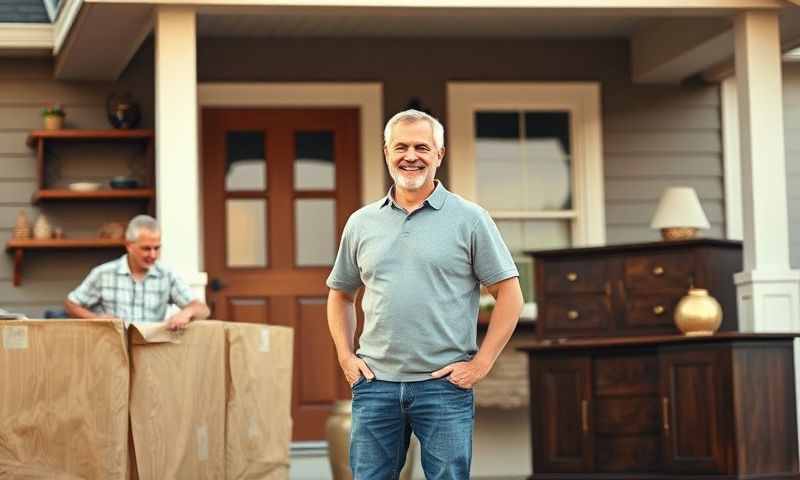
pixel 421 275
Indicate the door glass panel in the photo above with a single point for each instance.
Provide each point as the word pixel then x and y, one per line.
pixel 245 161
pixel 523 160
pixel 246 232
pixel 315 229
pixel 314 165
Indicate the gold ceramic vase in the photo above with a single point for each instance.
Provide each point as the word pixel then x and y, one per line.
pixel 698 313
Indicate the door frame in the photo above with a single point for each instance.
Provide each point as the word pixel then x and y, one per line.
pixel 367 97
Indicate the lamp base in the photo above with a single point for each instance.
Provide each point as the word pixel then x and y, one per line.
pixel 678 233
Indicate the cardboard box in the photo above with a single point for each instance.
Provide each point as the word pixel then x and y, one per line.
pixel 259 401
pixel 177 404
pixel 63 399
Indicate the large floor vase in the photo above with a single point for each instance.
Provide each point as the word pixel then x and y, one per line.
pixel 337 431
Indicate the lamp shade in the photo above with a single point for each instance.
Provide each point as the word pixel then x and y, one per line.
pixel 679 207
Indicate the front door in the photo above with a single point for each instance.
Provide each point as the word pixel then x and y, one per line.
pixel 278 186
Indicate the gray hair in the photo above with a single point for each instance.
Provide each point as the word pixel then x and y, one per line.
pixel 139 223
pixel 414 116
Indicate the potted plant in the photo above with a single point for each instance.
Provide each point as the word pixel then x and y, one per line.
pixel 53 116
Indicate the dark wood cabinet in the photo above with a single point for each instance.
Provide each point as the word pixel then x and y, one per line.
pixel 691 397
pixel 563 440
pixel 631 289
pixel 664 407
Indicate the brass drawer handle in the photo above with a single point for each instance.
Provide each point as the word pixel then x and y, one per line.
pixel 665 413
pixel 658 271
pixel 585 415
pixel 573 314
pixel 658 310
pixel 572 276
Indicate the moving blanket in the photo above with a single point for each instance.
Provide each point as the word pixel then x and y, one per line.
pixel 259 401
pixel 63 399
pixel 177 404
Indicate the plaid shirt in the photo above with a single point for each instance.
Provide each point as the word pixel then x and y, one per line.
pixel 111 289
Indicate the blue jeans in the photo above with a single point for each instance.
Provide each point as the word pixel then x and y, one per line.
pixel 439 413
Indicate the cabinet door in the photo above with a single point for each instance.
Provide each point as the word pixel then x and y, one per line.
pixel 561 415
pixel 691 415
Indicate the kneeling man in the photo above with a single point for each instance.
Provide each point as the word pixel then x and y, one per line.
pixel 135 287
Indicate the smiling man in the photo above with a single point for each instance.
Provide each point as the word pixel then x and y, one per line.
pixel 135 287
pixel 421 254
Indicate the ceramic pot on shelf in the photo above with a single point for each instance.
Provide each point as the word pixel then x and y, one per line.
pixel 42 229
pixel 22 226
pixel 53 122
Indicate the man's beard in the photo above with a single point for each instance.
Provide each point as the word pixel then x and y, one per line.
pixel 406 183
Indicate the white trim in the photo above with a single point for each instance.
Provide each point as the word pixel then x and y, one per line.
pixel 581 99
pixel 308 449
pixel 731 158
pixel 51 9
pixel 26 36
pixel 690 5
pixel 176 144
pixel 367 97
pixel 64 23
pixel 532 215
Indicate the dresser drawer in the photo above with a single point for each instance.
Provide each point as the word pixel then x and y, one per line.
pixel 588 276
pixel 659 271
pixel 652 310
pixel 571 314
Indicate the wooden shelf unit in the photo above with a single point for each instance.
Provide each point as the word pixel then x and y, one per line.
pixel 39 140
pixel 121 194
pixel 37 136
pixel 18 247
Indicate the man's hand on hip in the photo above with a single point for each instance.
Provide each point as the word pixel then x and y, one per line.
pixel 355 368
pixel 463 374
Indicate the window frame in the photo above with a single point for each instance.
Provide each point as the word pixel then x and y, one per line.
pixel 580 99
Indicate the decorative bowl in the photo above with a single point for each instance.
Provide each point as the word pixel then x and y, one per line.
pixel 84 186
pixel 123 183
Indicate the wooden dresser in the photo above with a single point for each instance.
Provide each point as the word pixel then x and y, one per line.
pixel 664 407
pixel 624 290
pixel 616 392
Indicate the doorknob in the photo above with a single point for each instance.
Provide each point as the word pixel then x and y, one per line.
pixel 216 285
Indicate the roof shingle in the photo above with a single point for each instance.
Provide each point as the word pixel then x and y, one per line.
pixel 23 11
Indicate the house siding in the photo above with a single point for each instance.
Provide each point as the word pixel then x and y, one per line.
pixel 26 85
pixel 654 136
pixel 791 115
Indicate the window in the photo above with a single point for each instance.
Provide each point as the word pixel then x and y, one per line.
pixel 530 154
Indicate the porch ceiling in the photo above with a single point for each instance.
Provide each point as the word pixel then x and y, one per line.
pixel 429 23
pixel 87 53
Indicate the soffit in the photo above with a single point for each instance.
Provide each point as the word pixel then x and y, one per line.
pixel 106 34
pixel 414 23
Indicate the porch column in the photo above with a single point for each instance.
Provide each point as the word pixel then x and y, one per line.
pixel 768 290
pixel 177 164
